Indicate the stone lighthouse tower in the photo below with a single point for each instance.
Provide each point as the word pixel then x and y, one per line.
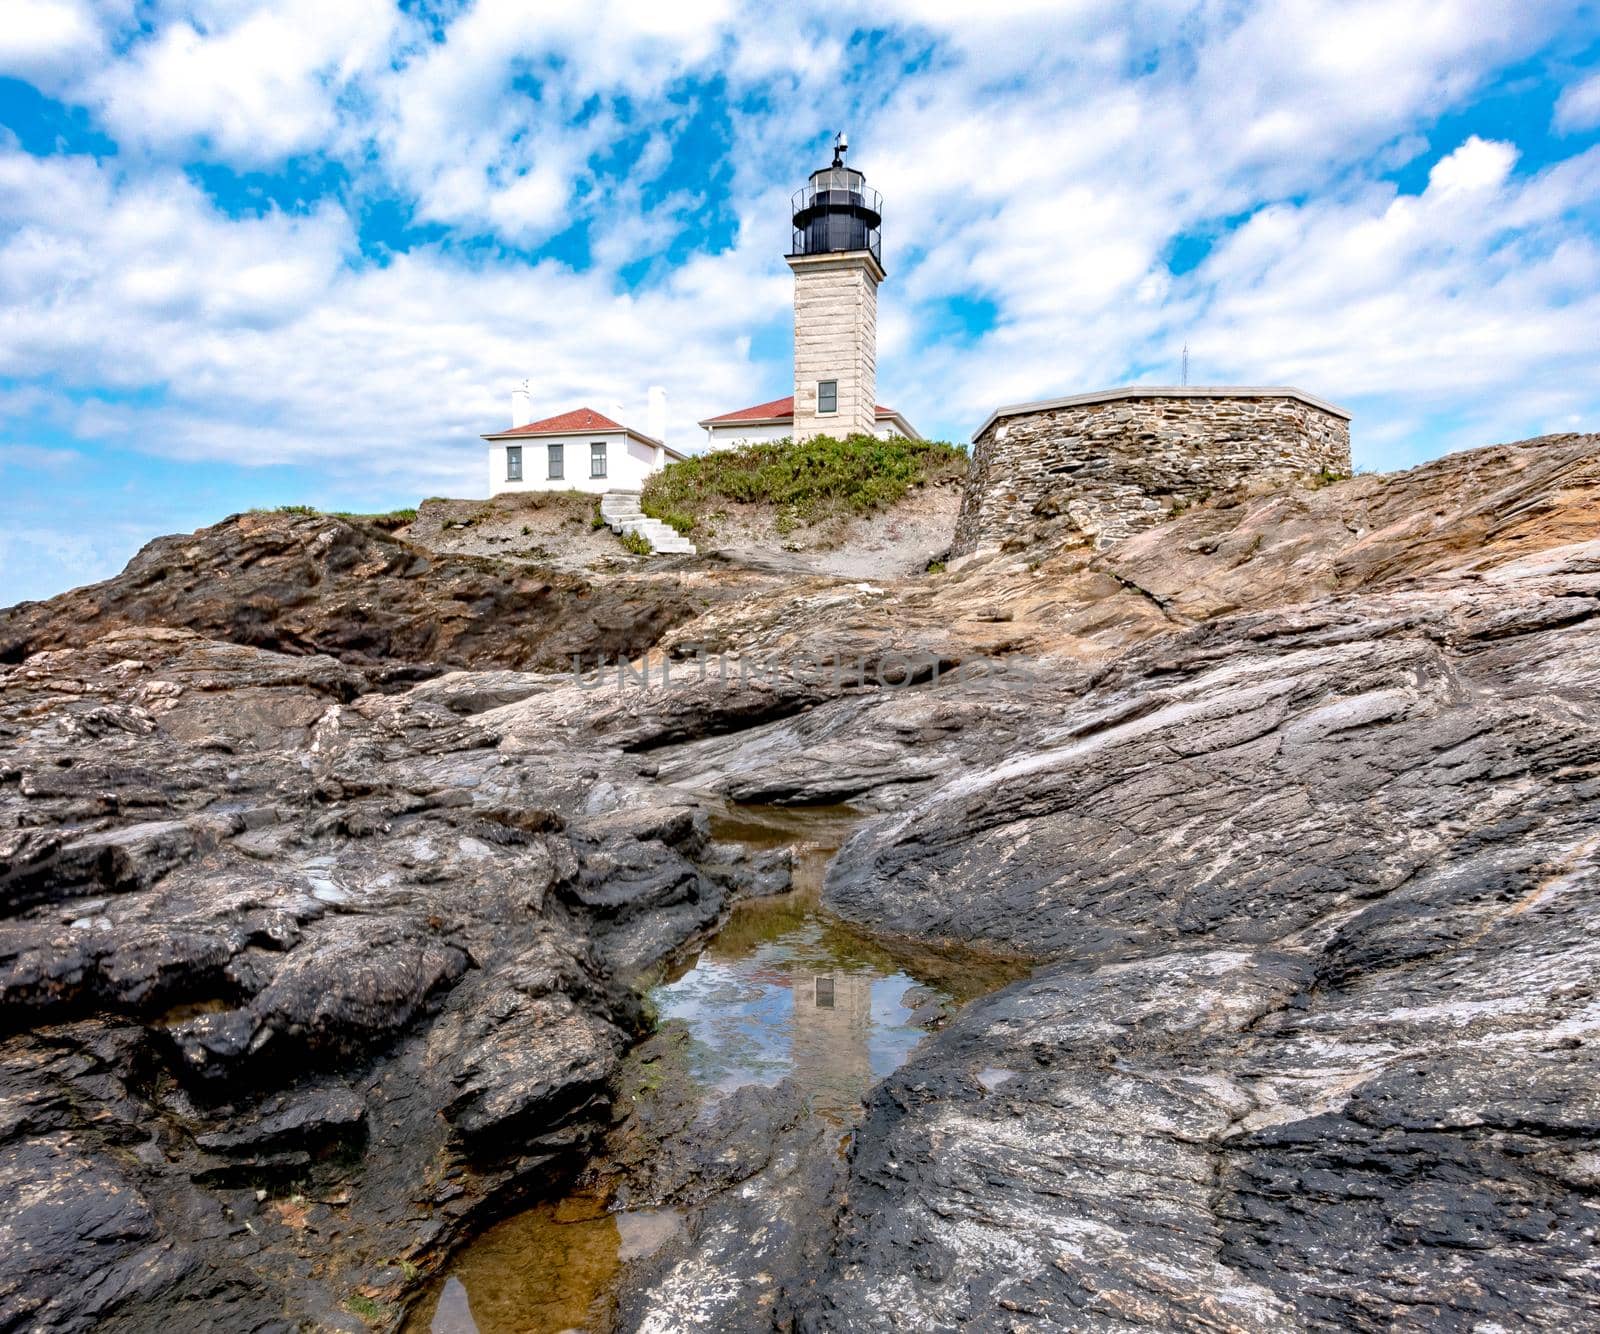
pixel 837 260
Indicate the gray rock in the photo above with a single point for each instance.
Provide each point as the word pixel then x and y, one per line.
pixel 363 958
pixel 307 969
pixel 1323 886
pixel 1243 781
pixel 77 1240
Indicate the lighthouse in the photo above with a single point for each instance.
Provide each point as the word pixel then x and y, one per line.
pixel 837 258
pixel 836 255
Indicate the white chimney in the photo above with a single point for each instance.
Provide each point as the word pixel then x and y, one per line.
pixel 656 415
pixel 521 405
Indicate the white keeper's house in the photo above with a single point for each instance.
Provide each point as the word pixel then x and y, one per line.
pixel 581 450
pixel 836 253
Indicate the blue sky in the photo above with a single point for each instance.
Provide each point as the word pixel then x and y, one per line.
pixel 299 252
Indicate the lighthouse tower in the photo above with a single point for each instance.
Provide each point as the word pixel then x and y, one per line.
pixel 837 259
pixel 838 263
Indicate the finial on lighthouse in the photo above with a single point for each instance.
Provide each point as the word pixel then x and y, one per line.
pixel 841 146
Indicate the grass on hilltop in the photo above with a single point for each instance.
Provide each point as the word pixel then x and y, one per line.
pixel 384 519
pixel 820 478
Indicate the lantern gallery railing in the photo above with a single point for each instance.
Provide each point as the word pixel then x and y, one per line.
pixel 837 211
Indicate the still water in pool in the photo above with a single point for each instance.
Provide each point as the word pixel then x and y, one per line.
pixel 548 1269
pixel 782 989
pixel 785 989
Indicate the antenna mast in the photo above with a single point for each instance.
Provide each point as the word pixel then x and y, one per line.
pixel 1185 379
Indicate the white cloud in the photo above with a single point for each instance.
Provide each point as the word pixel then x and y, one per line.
pixel 1479 164
pixel 273 348
pixel 494 125
pixel 38 458
pixel 39 560
pixel 136 272
pixel 45 39
pixel 254 85
pixel 1579 106
pixel 1054 177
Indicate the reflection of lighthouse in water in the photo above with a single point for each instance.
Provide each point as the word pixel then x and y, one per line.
pixel 829 1040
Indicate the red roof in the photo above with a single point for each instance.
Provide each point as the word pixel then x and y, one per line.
pixel 779 407
pixel 776 410
pixel 579 419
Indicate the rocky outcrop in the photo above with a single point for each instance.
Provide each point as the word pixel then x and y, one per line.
pixel 1245 779
pixel 1233 1138
pixel 1322 885
pixel 297 981
pixel 298 583
pixel 314 954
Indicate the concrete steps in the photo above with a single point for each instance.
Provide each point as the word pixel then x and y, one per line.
pixel 620 510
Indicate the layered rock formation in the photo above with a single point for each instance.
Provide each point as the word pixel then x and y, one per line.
pixel 315 583
pixel 295 982
pixel 322 894
pixel 1321 1049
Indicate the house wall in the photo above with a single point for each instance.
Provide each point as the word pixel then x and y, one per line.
pixel 737 434
pixel 1117 463
pixel 628 463
pixel 835 338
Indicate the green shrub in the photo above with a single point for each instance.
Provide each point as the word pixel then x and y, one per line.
pixel 637 543
pixel 297 509
pixel 678 521
pixel 936 567
pixel 387 519
pixel 809 481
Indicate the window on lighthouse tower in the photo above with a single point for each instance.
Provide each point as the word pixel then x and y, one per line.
pixel 827 396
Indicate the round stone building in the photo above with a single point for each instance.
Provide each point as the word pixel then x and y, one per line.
pixel 1113 462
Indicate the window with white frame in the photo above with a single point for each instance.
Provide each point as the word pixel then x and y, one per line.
pixel 513 463
pixel 827 395
pixel 597 459
pixel 558 465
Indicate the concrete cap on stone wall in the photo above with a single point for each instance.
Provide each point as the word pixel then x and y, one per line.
pixel 1162 391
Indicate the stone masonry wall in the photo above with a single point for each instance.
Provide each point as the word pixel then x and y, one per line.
pixel 1107 468
pixel 835 338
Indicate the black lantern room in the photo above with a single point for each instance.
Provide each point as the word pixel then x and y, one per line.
pixel 836 212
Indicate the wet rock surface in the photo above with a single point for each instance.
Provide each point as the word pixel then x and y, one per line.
pixel 323 891
pixel 296 979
